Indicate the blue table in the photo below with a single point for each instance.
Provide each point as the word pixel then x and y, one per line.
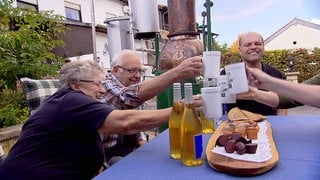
pixel 297 139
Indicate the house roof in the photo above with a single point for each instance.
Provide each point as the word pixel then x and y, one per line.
pixel 293 22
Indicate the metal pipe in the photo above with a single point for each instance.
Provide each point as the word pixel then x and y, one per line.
pixel 157 49
pixel 131 25
pixel 116 19
pixel 93 25
pixel 204 36
pixel 208 5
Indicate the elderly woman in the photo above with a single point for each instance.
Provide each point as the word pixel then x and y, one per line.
pixel 61 140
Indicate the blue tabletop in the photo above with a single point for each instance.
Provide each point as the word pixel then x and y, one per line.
pixel 297 140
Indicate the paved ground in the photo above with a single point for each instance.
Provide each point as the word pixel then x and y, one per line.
pixel 304 110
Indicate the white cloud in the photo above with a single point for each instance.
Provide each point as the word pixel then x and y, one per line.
pixel 236 9
pixel 163 2
pixel 316 21
pixel 232 9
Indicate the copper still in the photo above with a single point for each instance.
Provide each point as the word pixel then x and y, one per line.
pixel 183 42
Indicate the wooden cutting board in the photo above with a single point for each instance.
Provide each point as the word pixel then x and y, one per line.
pixel 240 167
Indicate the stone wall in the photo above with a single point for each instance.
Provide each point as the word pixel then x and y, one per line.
pixel 8 136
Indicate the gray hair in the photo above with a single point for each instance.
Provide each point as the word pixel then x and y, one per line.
pixel 76 70
pixel 117 59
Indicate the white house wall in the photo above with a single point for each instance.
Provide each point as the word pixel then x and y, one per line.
pixel 102 53
pixel 103 9
pixel 106 9
pixel 57 6
pixel 305 37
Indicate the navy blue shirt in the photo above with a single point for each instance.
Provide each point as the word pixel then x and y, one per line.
pixel 253 106
pixel 60 141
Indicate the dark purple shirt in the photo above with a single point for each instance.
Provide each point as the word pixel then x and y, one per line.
pixel 60 140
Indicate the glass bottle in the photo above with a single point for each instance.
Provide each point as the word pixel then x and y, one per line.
pixel 175 122
pixel 191 129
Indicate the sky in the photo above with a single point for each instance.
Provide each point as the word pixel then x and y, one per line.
pixel 229 18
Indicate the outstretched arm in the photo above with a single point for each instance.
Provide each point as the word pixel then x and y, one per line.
pixel 265 97
pixel 188 68
pixel 303 93
pixel 135 121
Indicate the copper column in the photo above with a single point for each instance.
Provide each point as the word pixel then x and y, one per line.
pixel 183 41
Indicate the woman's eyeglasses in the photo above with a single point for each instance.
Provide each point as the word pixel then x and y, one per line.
pixel 133 71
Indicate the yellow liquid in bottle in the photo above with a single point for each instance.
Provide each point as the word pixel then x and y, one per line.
pixel 207 124
pixel 191 138
pixel 174 130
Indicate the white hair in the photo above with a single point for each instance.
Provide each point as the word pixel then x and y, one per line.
pixel 117 59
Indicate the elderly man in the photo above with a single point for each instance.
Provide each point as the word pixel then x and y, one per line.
pixel 125 91
pixel 251 50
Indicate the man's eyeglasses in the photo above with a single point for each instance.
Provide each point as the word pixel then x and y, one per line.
pixel 133 71
pixel 97 83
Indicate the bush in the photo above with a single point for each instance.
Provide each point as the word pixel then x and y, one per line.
pixel 306 61
pixel 13 109
pixel 27 39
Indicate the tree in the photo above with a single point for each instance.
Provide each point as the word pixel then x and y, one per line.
pixel 26 42
pixel 235 46
pixel 217 47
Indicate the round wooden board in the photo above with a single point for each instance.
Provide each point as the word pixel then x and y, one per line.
pixel 239 167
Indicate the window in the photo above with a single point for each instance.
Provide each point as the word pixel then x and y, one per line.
pixel 28 4
pixel 72 11
pixel 164 21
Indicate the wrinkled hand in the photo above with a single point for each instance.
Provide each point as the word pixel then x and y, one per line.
pixel 190 67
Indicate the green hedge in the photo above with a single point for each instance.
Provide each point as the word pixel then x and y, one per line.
pixel 27 40
pixel 306 61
